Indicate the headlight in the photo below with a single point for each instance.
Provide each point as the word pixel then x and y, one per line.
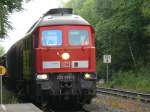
pixel 87 76
pixel 65 56
pixel 42 77
pixel 91 76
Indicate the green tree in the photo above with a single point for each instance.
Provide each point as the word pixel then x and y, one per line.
pixel 75 4
pixel 84 8
pixel 122 22
pixel 145 9
pixel 7 7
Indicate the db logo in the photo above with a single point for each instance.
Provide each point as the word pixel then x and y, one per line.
pixel 65 64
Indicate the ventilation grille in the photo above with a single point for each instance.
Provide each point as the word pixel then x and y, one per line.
pixel 60 11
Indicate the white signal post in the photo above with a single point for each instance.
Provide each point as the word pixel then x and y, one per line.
pixel 2 72
pixel 107 60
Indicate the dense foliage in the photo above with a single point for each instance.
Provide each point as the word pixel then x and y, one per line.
pixel 122 30
pixel 6 8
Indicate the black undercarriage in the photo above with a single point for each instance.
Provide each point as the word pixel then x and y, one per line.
pixel 57 89
pixel 66 87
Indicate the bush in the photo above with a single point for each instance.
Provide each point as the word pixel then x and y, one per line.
pixel 9 97
pixel 135 80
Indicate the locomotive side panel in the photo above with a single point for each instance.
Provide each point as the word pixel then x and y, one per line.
pixel 30 44
pixel 14 61
pixel 28 61
pixel 20 59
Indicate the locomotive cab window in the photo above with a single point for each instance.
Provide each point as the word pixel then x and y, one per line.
pixel 78 37
pixel 51 38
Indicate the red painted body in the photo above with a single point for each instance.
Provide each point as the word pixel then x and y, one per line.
pixel 77 53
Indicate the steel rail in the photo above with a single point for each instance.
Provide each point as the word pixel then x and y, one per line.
pixel 124 93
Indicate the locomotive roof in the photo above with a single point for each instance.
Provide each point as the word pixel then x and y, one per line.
pixel 59 16
pixel 66 19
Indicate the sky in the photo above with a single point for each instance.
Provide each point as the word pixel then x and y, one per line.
pixel 22 21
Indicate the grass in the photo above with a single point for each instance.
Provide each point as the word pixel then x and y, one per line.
pixel 138 80
pixel 9 97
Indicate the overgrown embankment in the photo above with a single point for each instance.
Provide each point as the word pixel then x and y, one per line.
pixel 136 80
pixel 9 97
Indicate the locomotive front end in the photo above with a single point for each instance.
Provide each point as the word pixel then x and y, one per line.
pixel 65 57
pixel 65 61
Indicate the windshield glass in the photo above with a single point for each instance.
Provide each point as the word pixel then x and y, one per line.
pixel 52 38
pixel 78 37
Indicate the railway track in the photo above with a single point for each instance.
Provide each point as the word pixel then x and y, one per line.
pixel 123 93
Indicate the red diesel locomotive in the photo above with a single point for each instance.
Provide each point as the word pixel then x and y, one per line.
pixel 55 60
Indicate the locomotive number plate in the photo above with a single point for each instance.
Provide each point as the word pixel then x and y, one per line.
pixel 65 77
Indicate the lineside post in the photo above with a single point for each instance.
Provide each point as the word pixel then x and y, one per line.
pixel 1 90
pixel 2 72
pixel 107 71
pixel 107 61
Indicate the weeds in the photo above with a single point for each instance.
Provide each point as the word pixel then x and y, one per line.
pixel 9 97
pixel 137 80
